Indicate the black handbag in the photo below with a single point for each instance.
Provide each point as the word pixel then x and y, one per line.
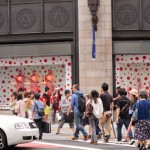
pixel 69 118
pixel 85 121
pixel 46 127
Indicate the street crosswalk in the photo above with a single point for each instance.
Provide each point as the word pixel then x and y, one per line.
pixel 111 142
pixel 47 145
pixel 37 144
pixel 50 145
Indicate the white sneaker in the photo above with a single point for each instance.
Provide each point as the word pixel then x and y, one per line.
pixel 132 142
pixel 119 142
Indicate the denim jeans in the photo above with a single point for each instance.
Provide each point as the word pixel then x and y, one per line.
pixel 78 121
pixel 119 128
pixel 93 122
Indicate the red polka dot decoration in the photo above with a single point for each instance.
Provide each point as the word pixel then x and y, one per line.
pixel 61 67
pixel 132 71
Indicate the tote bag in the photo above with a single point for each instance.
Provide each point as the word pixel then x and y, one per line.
pixel 135 113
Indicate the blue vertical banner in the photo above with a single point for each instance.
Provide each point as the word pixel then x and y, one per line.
pixel 93 43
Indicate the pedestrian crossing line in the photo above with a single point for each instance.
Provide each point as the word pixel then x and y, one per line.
pixel 109 143
pixel 67 146
pixel 36 145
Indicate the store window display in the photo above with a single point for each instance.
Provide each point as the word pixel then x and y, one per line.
pixel 20 78
pixel 49 79
pixel 17 72
pixel 133 72
pixel 34 79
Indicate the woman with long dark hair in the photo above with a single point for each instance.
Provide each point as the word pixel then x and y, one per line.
pixel 95 111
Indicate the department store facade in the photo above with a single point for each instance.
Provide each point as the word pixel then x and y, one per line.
pixel 56 35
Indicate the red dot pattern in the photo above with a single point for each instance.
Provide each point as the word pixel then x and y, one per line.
pixel 133 72
pixel 61 67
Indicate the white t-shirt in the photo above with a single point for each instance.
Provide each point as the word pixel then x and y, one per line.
pixel 97 108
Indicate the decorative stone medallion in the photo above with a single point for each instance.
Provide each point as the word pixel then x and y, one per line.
pixel 127 14
pixel 26 18
pixel 58 17
pixel 147 14
pixel 1 20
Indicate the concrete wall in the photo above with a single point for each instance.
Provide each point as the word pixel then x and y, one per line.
pixel 94 73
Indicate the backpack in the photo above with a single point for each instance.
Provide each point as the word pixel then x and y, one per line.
pixel 125 109
pixel 40 111
pixel 81 103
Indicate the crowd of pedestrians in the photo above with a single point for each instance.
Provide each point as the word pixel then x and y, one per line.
pixel 98 110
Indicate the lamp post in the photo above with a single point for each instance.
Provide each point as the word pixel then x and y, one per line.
pixel 93 6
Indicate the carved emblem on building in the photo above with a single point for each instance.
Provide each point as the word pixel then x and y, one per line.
pixel 127 14
pixel 26 18
pixel 58 17
pixel 1 20
pixel 147 14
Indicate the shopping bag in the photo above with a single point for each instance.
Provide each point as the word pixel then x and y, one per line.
pixel 46 127
pixel 69 118
pixel 58 116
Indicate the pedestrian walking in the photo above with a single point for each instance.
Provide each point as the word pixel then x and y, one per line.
pixel 95 115
pixel 37 104
pixel 142 126
pixel 122 115
pixel 133 99
pixel 64 105
pixel 46 101
pixel 77 102
pixel 105 120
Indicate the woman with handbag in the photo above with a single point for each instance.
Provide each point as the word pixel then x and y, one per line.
pixel 56 98
pixel 65 103
pixel 142 117
pixel 133 100
pixel 94 110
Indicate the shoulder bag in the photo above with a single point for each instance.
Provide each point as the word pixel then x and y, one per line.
pixel 40 111
pixel 135 113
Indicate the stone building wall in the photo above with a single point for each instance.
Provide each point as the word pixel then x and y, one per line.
pixel 93 73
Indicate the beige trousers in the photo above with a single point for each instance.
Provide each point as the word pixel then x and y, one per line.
pixel 105 122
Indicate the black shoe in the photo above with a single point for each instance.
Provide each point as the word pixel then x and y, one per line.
pixel 107 137
pixel 138 145
pixel 141 147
